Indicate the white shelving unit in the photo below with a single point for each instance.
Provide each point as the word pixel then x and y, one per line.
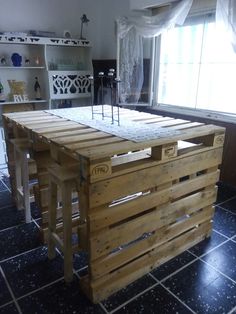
pixel 62 66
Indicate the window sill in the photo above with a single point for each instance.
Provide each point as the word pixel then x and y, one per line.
pixel 212 115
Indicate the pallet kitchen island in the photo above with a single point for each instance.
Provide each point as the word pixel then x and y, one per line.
pixel 140 202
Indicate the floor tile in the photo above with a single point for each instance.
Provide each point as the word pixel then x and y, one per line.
pixel 35 211
pixel 129 292
pixel 172 265
pixel 207 244
pixel 5 199
pixel 18 239
pixel 5 178
pixel 59 298
pixel 2 186
pixel 32 270
pixel 224 192
pixel 156 300
pixel 230 205
pixel 203 289
pixel 80 260
pixel 224 222
pixel 9 309
pixel 223 258
pixel 5 295
pixel 11 216
pixel 83 272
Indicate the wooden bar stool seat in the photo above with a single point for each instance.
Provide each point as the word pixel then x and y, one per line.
pixel 22 161
pixel 63 182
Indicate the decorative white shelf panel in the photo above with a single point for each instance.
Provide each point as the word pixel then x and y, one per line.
pixel 69 84
pixel 31 40
pixel 32 101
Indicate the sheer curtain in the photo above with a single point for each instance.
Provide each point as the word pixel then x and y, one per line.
pixel 226 17
pixel 130 32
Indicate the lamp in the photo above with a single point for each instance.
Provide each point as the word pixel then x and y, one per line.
pixel 83 19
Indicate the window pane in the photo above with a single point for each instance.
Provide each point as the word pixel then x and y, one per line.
pixel 179 65
pixel 178 84
pixel 182 45
pixel 197 68
pixel 217 87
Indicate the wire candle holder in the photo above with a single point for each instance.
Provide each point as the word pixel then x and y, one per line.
pixel 112 86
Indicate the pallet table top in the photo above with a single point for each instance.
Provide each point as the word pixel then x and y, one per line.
pixel 80 139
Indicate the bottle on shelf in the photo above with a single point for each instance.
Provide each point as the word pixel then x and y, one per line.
pixel 2 96
pixel 37 89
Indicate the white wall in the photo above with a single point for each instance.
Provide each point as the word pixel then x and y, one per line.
pixel 60 15
pixel 53 15
pixel 111 10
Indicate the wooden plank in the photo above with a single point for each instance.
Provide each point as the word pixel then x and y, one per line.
pixel 80 130
pixel 166 124
pixel 146 162
pixel 124 147
pixel 52 219
pixel 106 240
pixel 42 118
pixel 73 137
pixel 80 138
pixel 92 143
pixel 41 124
pixel 61 127
pixel 105 191
pixel 107 285
pixel 110 262
pixel 152 119
pixel 104 216
pixel 188 125
pixel 13 115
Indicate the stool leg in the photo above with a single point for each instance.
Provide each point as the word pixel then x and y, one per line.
pixel 17 156
pixel 26 188
pixel 52 217
pixel 67 230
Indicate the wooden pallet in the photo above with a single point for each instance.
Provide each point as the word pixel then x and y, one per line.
pixel 143 203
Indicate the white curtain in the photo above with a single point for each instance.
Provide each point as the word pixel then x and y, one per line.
pixel 226 18
pixel 130 33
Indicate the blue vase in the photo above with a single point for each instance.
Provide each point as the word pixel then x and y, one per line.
pixel 16 59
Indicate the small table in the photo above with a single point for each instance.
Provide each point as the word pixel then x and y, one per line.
pixel 143 202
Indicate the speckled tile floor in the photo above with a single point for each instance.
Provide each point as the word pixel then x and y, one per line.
pixel 200 280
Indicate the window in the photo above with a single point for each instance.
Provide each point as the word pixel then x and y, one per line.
pixel 197 67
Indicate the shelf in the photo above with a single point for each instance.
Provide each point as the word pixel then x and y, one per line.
pixel 71 81
pixel 33 40
pixel 32 101
pixel 21 68
pixel 70 72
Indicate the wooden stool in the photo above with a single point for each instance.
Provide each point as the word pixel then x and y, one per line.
pixel 21 156
pixel 67 181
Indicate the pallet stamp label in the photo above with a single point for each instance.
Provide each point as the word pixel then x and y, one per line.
pixel 100 170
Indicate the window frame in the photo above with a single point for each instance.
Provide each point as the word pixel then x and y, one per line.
pixel 205 113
